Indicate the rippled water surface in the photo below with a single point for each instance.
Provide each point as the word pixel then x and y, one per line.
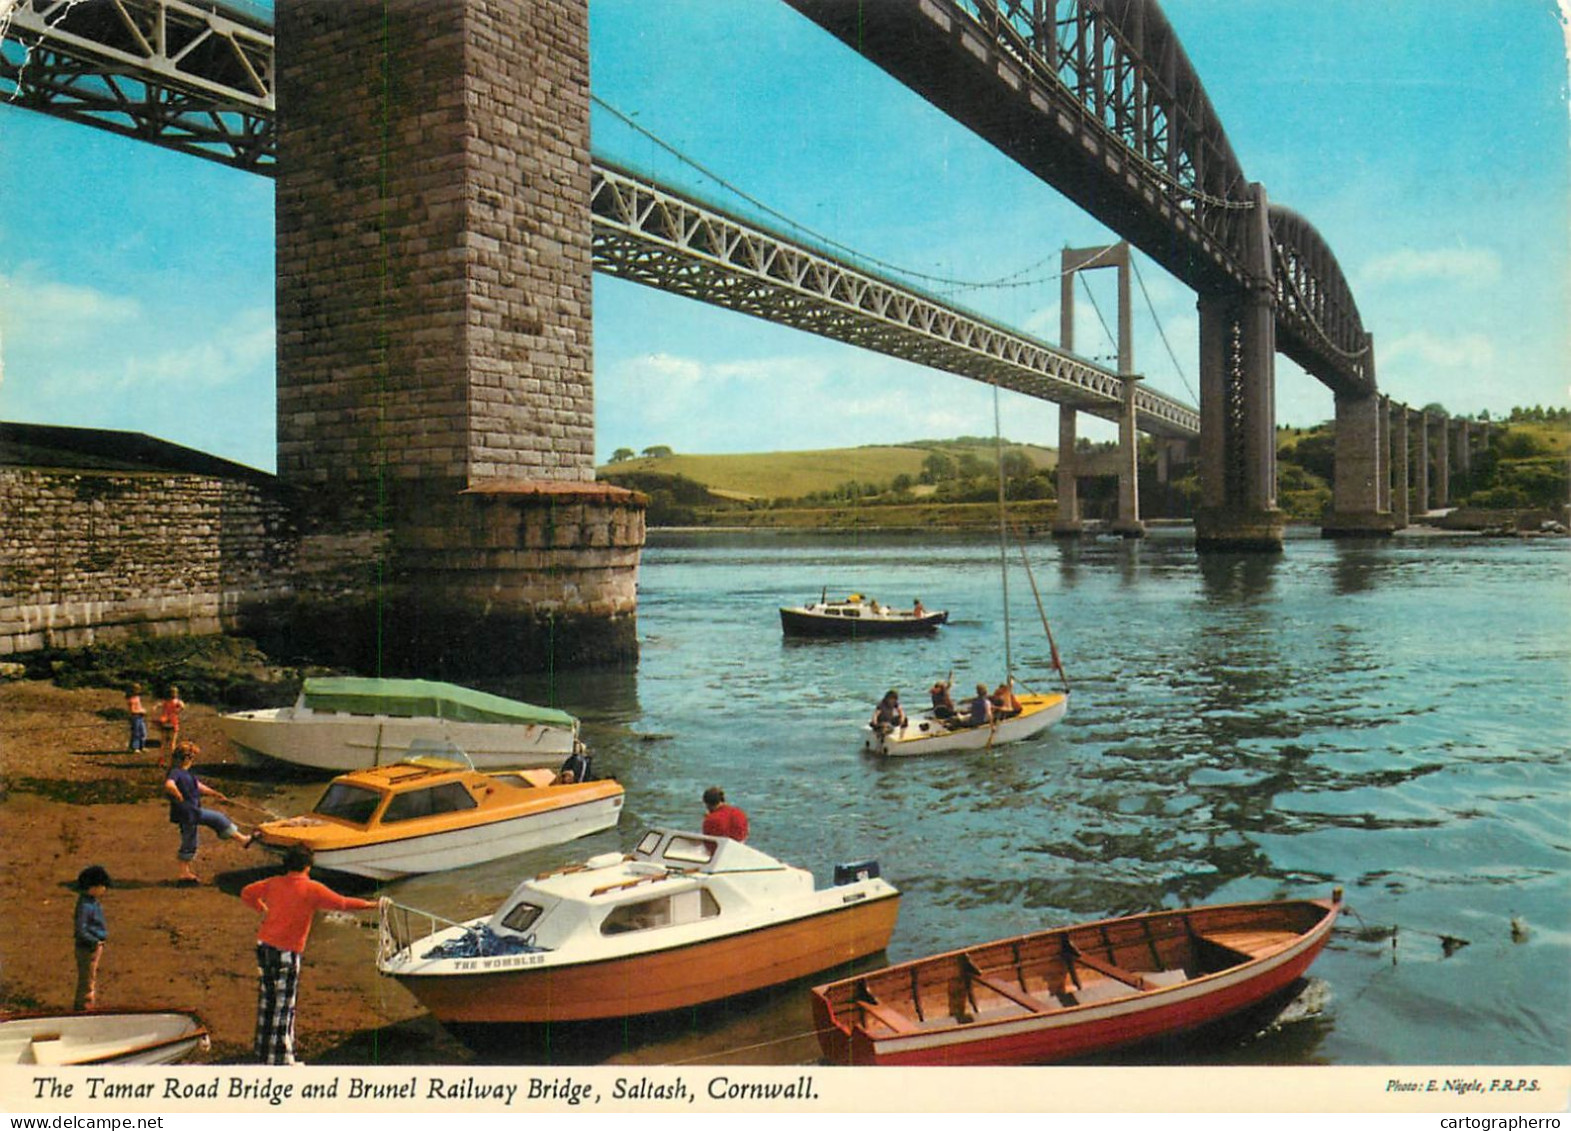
pixel 1390 717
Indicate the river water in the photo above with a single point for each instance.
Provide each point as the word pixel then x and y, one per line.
pixel 1393 717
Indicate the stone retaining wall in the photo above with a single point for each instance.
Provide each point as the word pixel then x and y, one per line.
pixel 90 557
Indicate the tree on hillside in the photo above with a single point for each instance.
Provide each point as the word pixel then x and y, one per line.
pixel 658 451
pixel 621 454
pixel 937 467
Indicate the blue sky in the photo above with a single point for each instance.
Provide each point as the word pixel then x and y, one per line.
pixel 1427 140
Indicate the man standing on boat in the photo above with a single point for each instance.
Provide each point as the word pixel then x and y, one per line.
pixel 722 819
pixel 288 904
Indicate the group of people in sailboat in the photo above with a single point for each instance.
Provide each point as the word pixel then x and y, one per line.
pixel 985 708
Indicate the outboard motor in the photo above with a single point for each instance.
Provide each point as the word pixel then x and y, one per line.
pixel 852 873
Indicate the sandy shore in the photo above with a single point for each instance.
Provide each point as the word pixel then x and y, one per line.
pixel 71 796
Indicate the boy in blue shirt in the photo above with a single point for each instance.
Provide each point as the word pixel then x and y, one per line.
pixel 90 933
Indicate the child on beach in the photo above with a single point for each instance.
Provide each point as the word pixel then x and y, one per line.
pixel 185 809
pixel 133 704
pixel 169 721
pixel 90 933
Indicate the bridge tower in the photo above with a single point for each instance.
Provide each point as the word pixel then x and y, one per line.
pixel 1238 508
pixel 1068 523
pixel 435 391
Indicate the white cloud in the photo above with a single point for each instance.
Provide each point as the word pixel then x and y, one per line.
pixel 1458 264
pixel 1422 351
pixel 46 314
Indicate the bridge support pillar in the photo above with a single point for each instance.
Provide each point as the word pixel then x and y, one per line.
pixel 1356 492
pixel 1464 447
pixel 1443 462
pixel 435 397
pixel 1401 467
pixel 1238 508
pixel 1423 463
pixel 1067 524
pixel 1129 524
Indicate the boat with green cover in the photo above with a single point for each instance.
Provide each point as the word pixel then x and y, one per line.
pixel 352 723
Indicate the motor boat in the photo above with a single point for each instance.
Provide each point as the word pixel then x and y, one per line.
pixel 345 723
pixel 681 920
pixel 432 814
pixel 858 617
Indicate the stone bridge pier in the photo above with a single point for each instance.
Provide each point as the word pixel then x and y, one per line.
pixel 1238 509
pixel 435 364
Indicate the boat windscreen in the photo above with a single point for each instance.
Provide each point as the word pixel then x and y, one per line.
pixel 351 803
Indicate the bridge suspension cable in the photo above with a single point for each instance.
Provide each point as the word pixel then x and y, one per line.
pixel 1161 332
pixel 1002 282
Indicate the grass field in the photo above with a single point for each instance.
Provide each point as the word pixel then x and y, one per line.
pixel 793 475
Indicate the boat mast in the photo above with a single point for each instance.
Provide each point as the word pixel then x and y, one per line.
pixel 1003 541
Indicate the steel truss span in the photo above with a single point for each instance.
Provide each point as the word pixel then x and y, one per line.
pixel 1099 99
pixel 651 235
pixel 192 77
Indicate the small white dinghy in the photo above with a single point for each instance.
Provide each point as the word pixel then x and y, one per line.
pixel 113 1037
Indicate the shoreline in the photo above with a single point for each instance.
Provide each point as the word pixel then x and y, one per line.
pixel 71 795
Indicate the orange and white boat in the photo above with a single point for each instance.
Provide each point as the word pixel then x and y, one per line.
pixel 682 920
pixel 433 814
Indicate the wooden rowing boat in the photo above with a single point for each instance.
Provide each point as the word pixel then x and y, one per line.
pixel 1073 991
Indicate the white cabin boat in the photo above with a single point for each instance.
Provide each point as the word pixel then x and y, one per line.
pixel 682 920
pixel 431 815
pixel 340 724
pixel 111 1037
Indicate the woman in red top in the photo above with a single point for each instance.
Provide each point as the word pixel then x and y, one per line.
pixel 288 904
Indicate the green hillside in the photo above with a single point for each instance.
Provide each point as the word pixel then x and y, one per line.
pixel 796 475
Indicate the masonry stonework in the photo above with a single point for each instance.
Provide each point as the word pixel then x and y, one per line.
pixel 96 557
pixel 435 359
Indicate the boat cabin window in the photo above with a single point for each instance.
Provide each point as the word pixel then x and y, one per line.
pixel 449 798
pixel 662 911
pixel 521 917
pixel 348 803
pixel 690 850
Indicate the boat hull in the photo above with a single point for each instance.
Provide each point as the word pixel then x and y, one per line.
pixel 660 980
pixel 119 1037
pixel 341 743
pixel 1014 1036
pixel 461 847
pixel 928 735
pixel 801 622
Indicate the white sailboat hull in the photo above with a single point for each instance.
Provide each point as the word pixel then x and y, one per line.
pixel 926 734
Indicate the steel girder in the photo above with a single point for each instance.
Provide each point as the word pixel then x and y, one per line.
pixel 1099 99
pixel 193 77
pixel 651 235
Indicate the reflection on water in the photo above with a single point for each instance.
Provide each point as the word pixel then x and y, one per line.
pixel 1389 716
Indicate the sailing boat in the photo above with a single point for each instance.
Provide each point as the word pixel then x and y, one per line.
pixel 929 733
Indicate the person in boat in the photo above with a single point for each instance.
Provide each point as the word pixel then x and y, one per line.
pixel 1005 703
pixel 917 610
pixel 185 792
pixel 722 819
pixel 943 705
pixel 288 904
pixel 979 712
pixel 90 931
pixel 576 768
pixel 888 715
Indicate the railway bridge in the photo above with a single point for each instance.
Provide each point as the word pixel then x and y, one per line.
pixel 439 216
